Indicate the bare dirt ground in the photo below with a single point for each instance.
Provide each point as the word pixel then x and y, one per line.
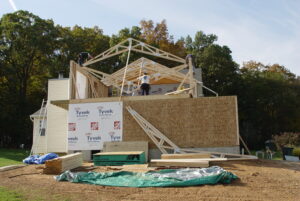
pixel 259 180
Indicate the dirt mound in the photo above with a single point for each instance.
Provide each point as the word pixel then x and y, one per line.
pixel 259 180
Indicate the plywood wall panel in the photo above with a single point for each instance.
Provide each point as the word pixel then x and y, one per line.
pixel 191 122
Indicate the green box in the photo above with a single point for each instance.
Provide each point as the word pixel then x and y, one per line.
pixel 119 158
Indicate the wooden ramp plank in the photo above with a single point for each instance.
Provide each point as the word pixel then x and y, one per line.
pixel 200 164
pixel 189 160
pixel 185 156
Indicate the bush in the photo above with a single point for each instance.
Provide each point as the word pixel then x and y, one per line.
pixel 296 151
pixel 287 140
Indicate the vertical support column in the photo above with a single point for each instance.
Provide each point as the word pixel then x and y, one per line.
pixel 72 78
pixel 193 91
pixel 200 86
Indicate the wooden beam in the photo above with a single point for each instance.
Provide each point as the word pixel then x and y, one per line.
pixel 153 133
pixel 63 163
pixel 200 164
pixel 137 46
pixel 185 156
pixel 189 160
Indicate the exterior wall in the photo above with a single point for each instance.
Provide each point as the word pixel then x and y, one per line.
pixel 57 118
pixel 189 123
pixel 39 142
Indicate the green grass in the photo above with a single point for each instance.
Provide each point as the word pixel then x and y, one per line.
pixel 12 156
pixel 8 195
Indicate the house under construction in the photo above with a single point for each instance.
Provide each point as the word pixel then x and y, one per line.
pixel 174 117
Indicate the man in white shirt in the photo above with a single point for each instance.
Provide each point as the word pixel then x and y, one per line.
pixel 145 86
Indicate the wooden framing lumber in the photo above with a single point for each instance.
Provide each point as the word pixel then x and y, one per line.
pixel 189 160
pixel 10 167
pixel 185 156
pixel 160 140
pixel 229 156
pixel 136 46
pixel 199 164
pixel 65 103
pixel 63 163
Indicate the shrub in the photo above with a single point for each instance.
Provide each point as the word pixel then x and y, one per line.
pixel 296 151
pixel 287 139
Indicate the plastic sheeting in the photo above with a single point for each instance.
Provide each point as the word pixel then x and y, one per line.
pixel 37 159
pixel 162 178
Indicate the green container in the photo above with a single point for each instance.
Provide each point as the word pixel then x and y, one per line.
pixel 119 158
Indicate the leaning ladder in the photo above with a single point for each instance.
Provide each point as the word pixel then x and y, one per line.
pixel 42 116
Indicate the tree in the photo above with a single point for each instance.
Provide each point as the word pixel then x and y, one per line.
pixel 220 72
pixel 27 42
pixel 159 37
pixel 268 102
pixel 74 40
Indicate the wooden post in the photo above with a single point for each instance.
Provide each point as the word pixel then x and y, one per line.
pixel 72 77
pixel 191 78
pixel 200 86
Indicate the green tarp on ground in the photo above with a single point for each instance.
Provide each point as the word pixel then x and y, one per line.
pixel 162 178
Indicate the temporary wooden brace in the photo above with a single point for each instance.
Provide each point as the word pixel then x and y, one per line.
pixel 160 140
pixel 126 67
pixel 179 91
pixel 244 144
pixel 63 163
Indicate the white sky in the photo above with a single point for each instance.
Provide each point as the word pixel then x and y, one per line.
pixel 262 30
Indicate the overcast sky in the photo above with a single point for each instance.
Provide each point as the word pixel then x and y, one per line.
pixel 262 30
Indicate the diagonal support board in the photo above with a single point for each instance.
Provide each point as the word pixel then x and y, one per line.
pixel 160 140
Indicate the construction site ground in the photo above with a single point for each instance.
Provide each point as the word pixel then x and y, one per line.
pixel 259 180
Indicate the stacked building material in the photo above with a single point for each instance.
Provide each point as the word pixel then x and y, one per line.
pixel 63 163
pixel 119 158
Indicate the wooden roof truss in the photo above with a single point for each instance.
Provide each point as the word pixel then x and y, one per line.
pixel 125 79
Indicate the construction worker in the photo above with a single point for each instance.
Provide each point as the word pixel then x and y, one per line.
pixel 83 57
pixel 145 86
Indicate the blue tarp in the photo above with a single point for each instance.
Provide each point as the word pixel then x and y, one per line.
pixel 37 159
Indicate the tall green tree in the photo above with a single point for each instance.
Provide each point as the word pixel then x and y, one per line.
pixel 26 44
pixel 268 102
pixel 220 72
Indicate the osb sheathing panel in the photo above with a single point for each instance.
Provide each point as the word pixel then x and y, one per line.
pixel 190 122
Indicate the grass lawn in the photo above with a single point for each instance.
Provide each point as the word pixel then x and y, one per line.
pixel 10 195
pixel 7 195
pixel 12 156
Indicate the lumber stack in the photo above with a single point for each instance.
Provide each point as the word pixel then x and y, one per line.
pixel 197 159
pixel 192 162
pixel 63 163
